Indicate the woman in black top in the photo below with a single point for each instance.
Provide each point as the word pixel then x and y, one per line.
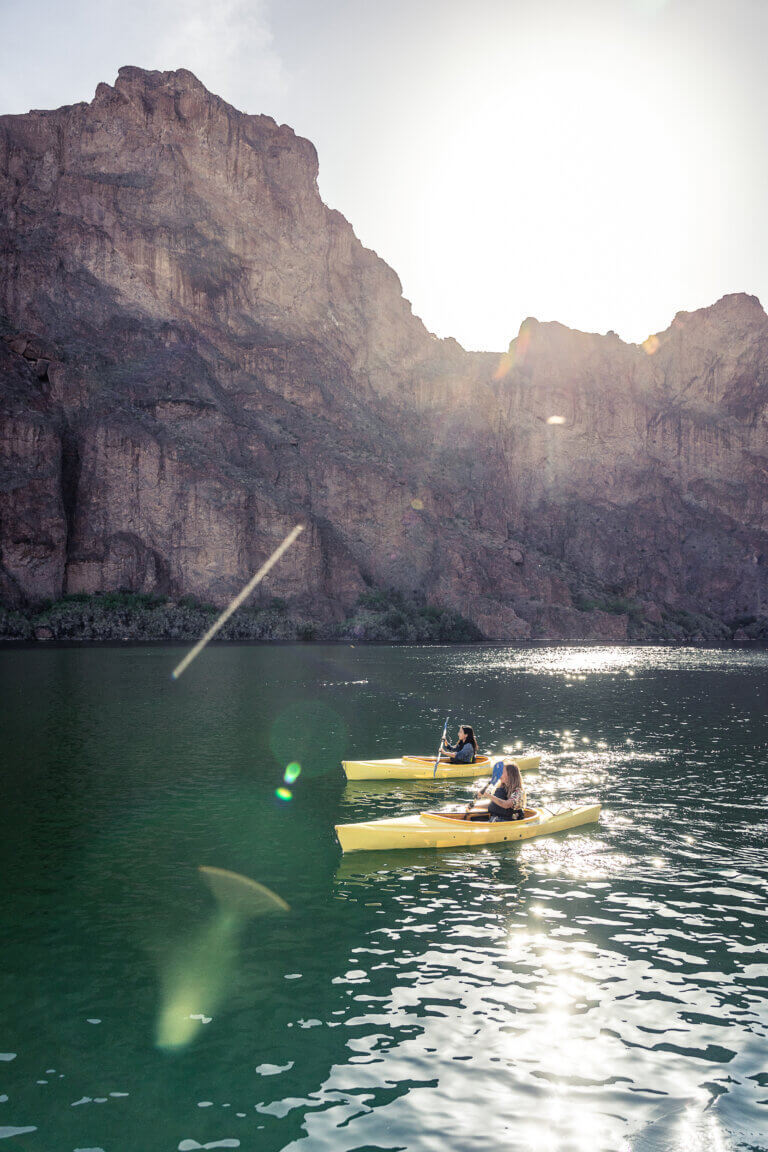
pixel 508 797
pixel 465 750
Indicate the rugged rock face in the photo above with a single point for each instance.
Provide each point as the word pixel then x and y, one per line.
pixel 655 485
pixel 198 353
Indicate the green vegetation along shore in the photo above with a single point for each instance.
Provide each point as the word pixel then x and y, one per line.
pixel 386 616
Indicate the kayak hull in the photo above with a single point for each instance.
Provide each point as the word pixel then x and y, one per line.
pixel 422 768
pixel 444 830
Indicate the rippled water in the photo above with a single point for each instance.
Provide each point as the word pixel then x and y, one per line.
pixel 603 989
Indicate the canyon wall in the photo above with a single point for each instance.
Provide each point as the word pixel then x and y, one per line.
pixel 197 353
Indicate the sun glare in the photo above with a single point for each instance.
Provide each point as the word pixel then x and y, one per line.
pixel 566 161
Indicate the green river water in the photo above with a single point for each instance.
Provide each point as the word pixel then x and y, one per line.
pixel 604 989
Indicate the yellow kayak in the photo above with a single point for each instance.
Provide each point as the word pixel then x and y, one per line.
pixel 422 768
pixel 450 830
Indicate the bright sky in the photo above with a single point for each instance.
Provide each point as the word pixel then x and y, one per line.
pixel 598 162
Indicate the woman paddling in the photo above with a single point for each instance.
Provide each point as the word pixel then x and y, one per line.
pixel 465 750
pixel 507 797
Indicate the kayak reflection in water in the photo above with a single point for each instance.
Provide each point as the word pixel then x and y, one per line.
pixel 507 794
pixel 464 751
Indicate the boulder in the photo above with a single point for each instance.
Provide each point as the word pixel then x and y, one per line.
pixel 651 611
pixel 18 343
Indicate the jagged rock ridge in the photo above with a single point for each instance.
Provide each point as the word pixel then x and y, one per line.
pixel 199 353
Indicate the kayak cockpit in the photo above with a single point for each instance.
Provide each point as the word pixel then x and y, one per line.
pixel 462 816
pixel 480 760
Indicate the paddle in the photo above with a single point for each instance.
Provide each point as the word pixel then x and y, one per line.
pixel 476 798
pixel 440 747
pixel 474 801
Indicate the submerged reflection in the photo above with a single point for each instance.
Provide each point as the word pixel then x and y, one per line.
pixel 198 971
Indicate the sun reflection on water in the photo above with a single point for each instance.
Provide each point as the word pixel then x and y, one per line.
pixel 577 662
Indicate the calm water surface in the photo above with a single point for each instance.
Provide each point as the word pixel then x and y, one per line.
pixel 606 989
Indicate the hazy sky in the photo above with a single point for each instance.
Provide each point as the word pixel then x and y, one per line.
pixel 598 162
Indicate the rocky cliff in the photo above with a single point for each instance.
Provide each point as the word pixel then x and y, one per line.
pixel 198 353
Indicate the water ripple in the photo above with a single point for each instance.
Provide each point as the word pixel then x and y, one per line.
pixel 601 990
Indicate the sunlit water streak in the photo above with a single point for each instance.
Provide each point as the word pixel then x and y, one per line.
pixel 604 989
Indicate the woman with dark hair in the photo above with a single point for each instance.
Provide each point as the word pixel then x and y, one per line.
pixel 508 798
pixel 465 750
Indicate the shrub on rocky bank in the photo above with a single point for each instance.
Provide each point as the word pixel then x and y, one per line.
pixel 380 615
pixel 387 616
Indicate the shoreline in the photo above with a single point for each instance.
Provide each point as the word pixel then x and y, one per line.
pixel 378 617
pixel 129 617
pixel 14 644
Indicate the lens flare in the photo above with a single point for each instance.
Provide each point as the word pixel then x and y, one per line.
pixel 651 345
pixel 506 364
pixel 283 793
pixel 518 350
pixel 200 969
pixel 555 419
pixel 292 772
pixel 238 600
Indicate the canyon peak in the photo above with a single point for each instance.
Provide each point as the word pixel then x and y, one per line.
pixel 197 353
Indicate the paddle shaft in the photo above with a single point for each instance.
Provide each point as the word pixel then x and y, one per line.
pixel 440 747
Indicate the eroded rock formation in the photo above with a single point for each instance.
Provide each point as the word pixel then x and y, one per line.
pixel 198 353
